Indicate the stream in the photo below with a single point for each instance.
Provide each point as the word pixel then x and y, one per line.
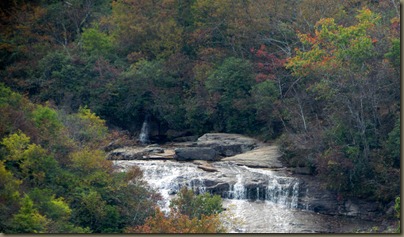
pixel 259 200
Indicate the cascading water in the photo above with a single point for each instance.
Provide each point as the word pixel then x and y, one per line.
pixel 265 201
pixel 144 132
pixel 168 177
pixel 237 182
pixel 238 190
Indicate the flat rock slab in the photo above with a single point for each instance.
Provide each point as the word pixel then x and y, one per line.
pixel 207 168
pixel 141 153
pixel 167 154
pixel 261 157
pixel 204 165
pixel 196 153
pixel 227 144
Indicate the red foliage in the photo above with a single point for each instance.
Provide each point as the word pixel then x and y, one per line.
pixel 267 64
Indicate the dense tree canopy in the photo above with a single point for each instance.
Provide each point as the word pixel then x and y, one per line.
pixel 322 78
pixel 54 175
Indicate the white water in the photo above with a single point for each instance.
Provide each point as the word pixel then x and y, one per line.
pixel 269 208
pixel 144 132
pixel 237 190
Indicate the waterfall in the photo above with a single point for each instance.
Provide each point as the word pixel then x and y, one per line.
pixel 237 190
pixel 262 200
pixel 283 191
pixel 237 182
pixel 144 132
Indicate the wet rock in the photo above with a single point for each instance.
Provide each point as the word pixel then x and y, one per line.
pixel 218 189
pixel 196 153
pixel 207 168
pixel 204 165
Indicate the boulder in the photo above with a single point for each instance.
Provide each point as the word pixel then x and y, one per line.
pixel 227 144
pixel 196 153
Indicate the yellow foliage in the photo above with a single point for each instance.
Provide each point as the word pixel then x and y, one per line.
pixel 16 144
pixel 88 161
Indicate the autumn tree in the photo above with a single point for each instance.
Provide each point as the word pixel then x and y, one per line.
pixel 189 213
pixel 187 203
pixel 62 171
pixel 337 68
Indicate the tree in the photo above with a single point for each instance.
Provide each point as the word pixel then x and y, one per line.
pixel 56 210
pixel 28 219
pixel 229 88
pixel 149 88
pixel 30 162
pixel 265 96
pixel 337 68
pixel 178 223
pixel 144 29
pixel 9 196
pixel 393 55
pixel 397 208
pixel 189 213
pixel 187 203
pixel 46 120
pixel 61 192
pixel 228 27
pixel 96 42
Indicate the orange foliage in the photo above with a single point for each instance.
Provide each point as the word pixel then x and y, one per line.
pixel 178 223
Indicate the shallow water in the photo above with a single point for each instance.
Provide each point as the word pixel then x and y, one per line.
pixel 268 217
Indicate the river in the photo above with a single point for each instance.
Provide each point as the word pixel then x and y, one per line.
pixel 276 205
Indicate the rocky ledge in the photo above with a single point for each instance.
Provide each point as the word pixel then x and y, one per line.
pixel 213 151
pixel 141 153
pixel 210 147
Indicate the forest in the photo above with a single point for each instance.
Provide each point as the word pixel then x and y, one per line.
pixel 321 78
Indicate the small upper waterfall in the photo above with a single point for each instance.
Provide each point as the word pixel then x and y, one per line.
pixel 144 132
